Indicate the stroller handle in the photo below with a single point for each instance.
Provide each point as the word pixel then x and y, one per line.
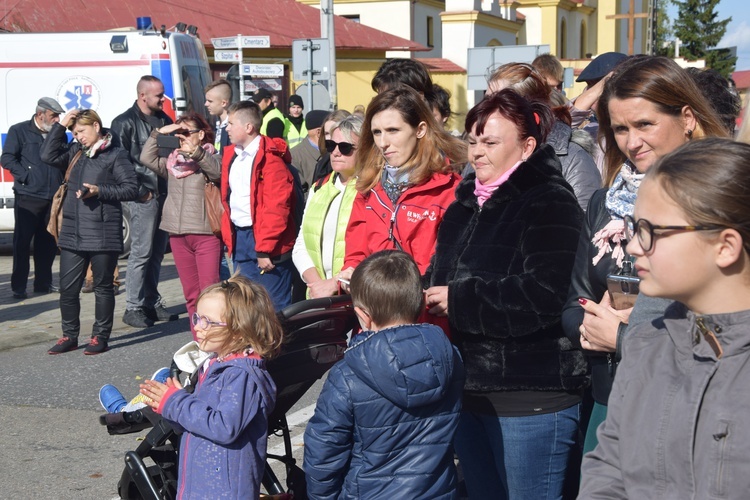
pixel 312 304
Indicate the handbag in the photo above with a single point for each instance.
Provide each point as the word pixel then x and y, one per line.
pixel 55 212
pixel 214 208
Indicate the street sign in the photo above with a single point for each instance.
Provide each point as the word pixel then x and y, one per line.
pixel 248 42
pixel 226 56
pixel 263 70
pixel 268 83
pixel 302 59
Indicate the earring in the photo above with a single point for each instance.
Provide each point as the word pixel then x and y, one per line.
pixel 689 134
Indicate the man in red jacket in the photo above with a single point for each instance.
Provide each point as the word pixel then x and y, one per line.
pixel 257 190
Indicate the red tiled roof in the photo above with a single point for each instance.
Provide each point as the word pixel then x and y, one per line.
pixel 282 20
pixel 742 79
pixel 438 65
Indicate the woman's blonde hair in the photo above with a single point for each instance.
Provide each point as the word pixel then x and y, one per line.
pixel 250 317
pixel 436 150
pixel 86 117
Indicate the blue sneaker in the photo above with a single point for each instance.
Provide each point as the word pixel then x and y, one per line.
pixel 161 375
pixel 111 399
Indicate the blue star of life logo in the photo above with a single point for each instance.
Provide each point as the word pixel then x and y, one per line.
pixel 79 97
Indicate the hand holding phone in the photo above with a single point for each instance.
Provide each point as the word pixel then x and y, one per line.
pixel 623 290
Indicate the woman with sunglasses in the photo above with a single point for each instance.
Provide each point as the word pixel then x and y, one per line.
pixel 319 250
pixel 648 108
pixel 196 250
pixel 405 179
pixel 91 231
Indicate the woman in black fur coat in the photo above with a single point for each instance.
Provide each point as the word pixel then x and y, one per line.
pixel 501 273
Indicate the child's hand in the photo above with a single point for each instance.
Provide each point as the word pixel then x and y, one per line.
pixel 155 390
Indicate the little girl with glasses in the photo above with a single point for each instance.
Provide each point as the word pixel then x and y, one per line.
pixel 676 421
pixel 225 420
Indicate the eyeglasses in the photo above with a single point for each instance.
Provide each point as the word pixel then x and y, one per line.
pixel 345 148
pixel 204 323
pixel 646 231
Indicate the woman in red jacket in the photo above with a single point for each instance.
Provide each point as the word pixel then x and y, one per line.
pixel 405 179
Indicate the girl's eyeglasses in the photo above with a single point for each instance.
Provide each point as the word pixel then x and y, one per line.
pixel 204 323
pixel 646 232
pixel 345 148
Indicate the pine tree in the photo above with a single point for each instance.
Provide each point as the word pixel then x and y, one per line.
pixel 699 30
pixel 663 44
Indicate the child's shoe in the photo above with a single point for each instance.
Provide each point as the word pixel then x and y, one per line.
pixel 161 375
pixel 111 399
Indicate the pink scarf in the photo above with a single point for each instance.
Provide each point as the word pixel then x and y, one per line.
pixel 180 165
pixel 484 191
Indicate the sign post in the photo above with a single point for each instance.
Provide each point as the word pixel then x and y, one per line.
pixel 311 61
pixel 239 42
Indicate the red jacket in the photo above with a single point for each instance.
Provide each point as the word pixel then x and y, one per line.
pixel 272 196
pixel 412 226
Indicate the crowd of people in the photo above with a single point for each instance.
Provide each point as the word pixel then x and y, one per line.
pixel 485 271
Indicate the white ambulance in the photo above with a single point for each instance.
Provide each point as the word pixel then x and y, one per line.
pixel 94 70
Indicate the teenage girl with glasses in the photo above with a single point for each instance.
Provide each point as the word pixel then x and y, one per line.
pixel 223 448
pixel 676 421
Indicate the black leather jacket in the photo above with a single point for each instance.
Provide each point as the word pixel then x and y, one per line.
pixel 133 128
pixel 590 282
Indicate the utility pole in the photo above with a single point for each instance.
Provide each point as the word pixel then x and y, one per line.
pixel 327 31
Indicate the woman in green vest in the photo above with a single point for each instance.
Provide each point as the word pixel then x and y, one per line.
pixel 319 251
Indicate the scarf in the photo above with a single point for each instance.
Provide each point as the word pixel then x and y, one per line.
pixel 484 191
pixel 100 145
pixel 394 182
pixel 180 165
pixel 619 202
pixel 297 121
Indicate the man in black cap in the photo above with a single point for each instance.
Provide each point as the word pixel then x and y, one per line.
pixel 34 185
pixel 294 123
pixel 264 99
pixel 307 153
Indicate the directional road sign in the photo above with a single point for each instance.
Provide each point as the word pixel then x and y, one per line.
pixel 248 42
pixel 226 55
pixel 263 70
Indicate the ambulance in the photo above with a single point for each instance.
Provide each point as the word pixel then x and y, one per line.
pixel 96 70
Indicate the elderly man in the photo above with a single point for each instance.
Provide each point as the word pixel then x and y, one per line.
pixel 34 185
pixel 307 153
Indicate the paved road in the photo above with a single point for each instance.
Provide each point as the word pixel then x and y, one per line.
pixel 52 444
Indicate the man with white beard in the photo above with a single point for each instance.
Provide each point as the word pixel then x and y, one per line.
pixel 34 185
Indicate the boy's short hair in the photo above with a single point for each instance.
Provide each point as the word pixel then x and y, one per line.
pixel 247 112
pixel 549 66
pixel 388 286
pixel 223 87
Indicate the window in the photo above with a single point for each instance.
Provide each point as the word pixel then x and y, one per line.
pixel 352 17
pixel 430 32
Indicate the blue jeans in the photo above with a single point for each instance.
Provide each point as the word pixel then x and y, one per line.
pixel 517 458
pixel 147 246
pixel 277 282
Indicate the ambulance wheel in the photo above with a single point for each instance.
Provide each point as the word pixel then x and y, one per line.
pixel 125 232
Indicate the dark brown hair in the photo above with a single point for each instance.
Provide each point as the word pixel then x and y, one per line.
pixel 388 286
pixel 662 82
pixel 250 317
pixel 200 124
pixel 532 118
pixel 710 180
pixel 432 148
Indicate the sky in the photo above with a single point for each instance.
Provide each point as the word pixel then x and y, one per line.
pixel 738 30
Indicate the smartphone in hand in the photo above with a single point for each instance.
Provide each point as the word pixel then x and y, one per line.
pixel 623 290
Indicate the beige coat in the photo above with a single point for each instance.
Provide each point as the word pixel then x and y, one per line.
pixel 184 209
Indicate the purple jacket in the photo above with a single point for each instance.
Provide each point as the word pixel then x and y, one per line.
pixel 223 448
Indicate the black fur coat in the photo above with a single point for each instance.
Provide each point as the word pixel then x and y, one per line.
pixel 507 267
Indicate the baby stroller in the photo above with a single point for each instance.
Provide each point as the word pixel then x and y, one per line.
pixel 315 339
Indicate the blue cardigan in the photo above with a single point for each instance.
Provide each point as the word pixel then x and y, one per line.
pixel 223 451
pixel 384 423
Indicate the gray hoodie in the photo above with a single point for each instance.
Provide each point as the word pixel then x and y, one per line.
pixel 676 422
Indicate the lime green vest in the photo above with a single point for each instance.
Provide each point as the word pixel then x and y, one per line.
pixel 314 219
pixel 292 135
pixel 274 113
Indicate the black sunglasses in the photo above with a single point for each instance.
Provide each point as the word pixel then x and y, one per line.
pixel 345 148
